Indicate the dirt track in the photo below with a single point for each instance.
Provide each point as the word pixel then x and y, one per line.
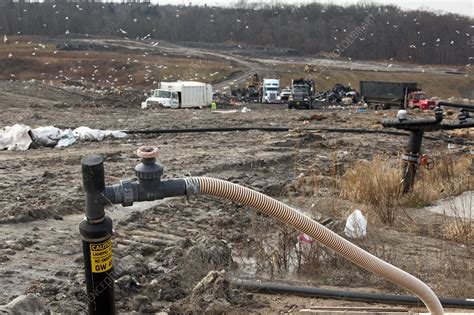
pixel 156 245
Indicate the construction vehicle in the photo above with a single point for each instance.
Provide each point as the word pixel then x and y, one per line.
pixel 254 89
pixel 309 68
pixel 252 92
pixel 302 94
pixel 271 91
pixel 384 95
pixel 180 94
pixel 419 100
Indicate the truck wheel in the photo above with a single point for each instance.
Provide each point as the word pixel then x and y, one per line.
pixel 290 106
pixel 378 107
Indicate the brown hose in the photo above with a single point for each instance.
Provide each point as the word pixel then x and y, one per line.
pixel 286 214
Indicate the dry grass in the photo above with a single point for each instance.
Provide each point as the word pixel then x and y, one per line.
pixel 459 228
pixel 377 185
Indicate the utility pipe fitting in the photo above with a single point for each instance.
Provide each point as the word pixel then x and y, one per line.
pixel 96 229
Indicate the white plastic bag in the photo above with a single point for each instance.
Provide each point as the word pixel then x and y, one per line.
pixel 50 132
pixel 356 225
pixel 115 134
pixel 15 137
pixel 86 133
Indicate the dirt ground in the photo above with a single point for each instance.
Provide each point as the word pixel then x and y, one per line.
pixel 163 249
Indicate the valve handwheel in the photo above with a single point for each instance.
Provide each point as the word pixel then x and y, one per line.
pixel 427 162
pixel 147 152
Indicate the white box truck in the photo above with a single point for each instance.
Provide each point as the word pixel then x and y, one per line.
pixel 180 94
pixel 271 91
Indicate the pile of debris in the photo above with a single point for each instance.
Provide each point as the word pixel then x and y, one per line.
pixel 339 94
pixel 21 137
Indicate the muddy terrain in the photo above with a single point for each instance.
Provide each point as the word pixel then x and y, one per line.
pixel 163 249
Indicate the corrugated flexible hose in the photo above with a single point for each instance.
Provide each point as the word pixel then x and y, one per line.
pixel 288 215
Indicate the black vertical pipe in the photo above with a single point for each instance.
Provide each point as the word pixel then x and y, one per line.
pixel 410 160
pixel 96 233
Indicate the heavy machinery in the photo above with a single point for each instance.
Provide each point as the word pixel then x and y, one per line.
pixel 252 92
pixel 302 94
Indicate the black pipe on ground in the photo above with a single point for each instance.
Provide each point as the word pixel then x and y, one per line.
pixel 286 129
pixel 275 288
pixel 466 107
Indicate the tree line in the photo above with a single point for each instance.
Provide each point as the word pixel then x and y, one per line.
pixel 370 32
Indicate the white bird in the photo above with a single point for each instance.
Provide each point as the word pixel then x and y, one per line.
pixel 67 32
pixel 5 39
pixel 10 55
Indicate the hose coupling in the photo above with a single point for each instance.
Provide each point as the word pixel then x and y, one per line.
pixel 192 186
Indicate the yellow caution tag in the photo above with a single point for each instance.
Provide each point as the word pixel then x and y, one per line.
pixel 101 256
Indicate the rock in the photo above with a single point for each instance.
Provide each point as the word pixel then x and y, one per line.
pixel 24 304
pixel 129 264
pixel 17 247
pixel 127 283
pixel 140 302
pixel 4 258
pixel 210 296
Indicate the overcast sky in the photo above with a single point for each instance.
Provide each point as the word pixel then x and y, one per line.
pixel 464 7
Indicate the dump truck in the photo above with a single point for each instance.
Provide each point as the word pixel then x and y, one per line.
pixel 384 95
pixel 302 94
pixel 271 91
pixel 180 94
pixel 418 99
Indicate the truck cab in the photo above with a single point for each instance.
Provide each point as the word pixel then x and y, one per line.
pixel 162 98
pixel 271 91
pixel 418 99
pixel 302 94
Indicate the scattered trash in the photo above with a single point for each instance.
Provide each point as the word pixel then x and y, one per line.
pixel 245 110
pixel 339 94
pixel 356 225
pixel 225 111
pixel 305 238
pixel 86 133
pixel 21 137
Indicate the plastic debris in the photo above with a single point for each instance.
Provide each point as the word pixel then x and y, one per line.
pixel 305 238
pixel 15 137
pixel 356 225
pixel 86 133
pixel 22 137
